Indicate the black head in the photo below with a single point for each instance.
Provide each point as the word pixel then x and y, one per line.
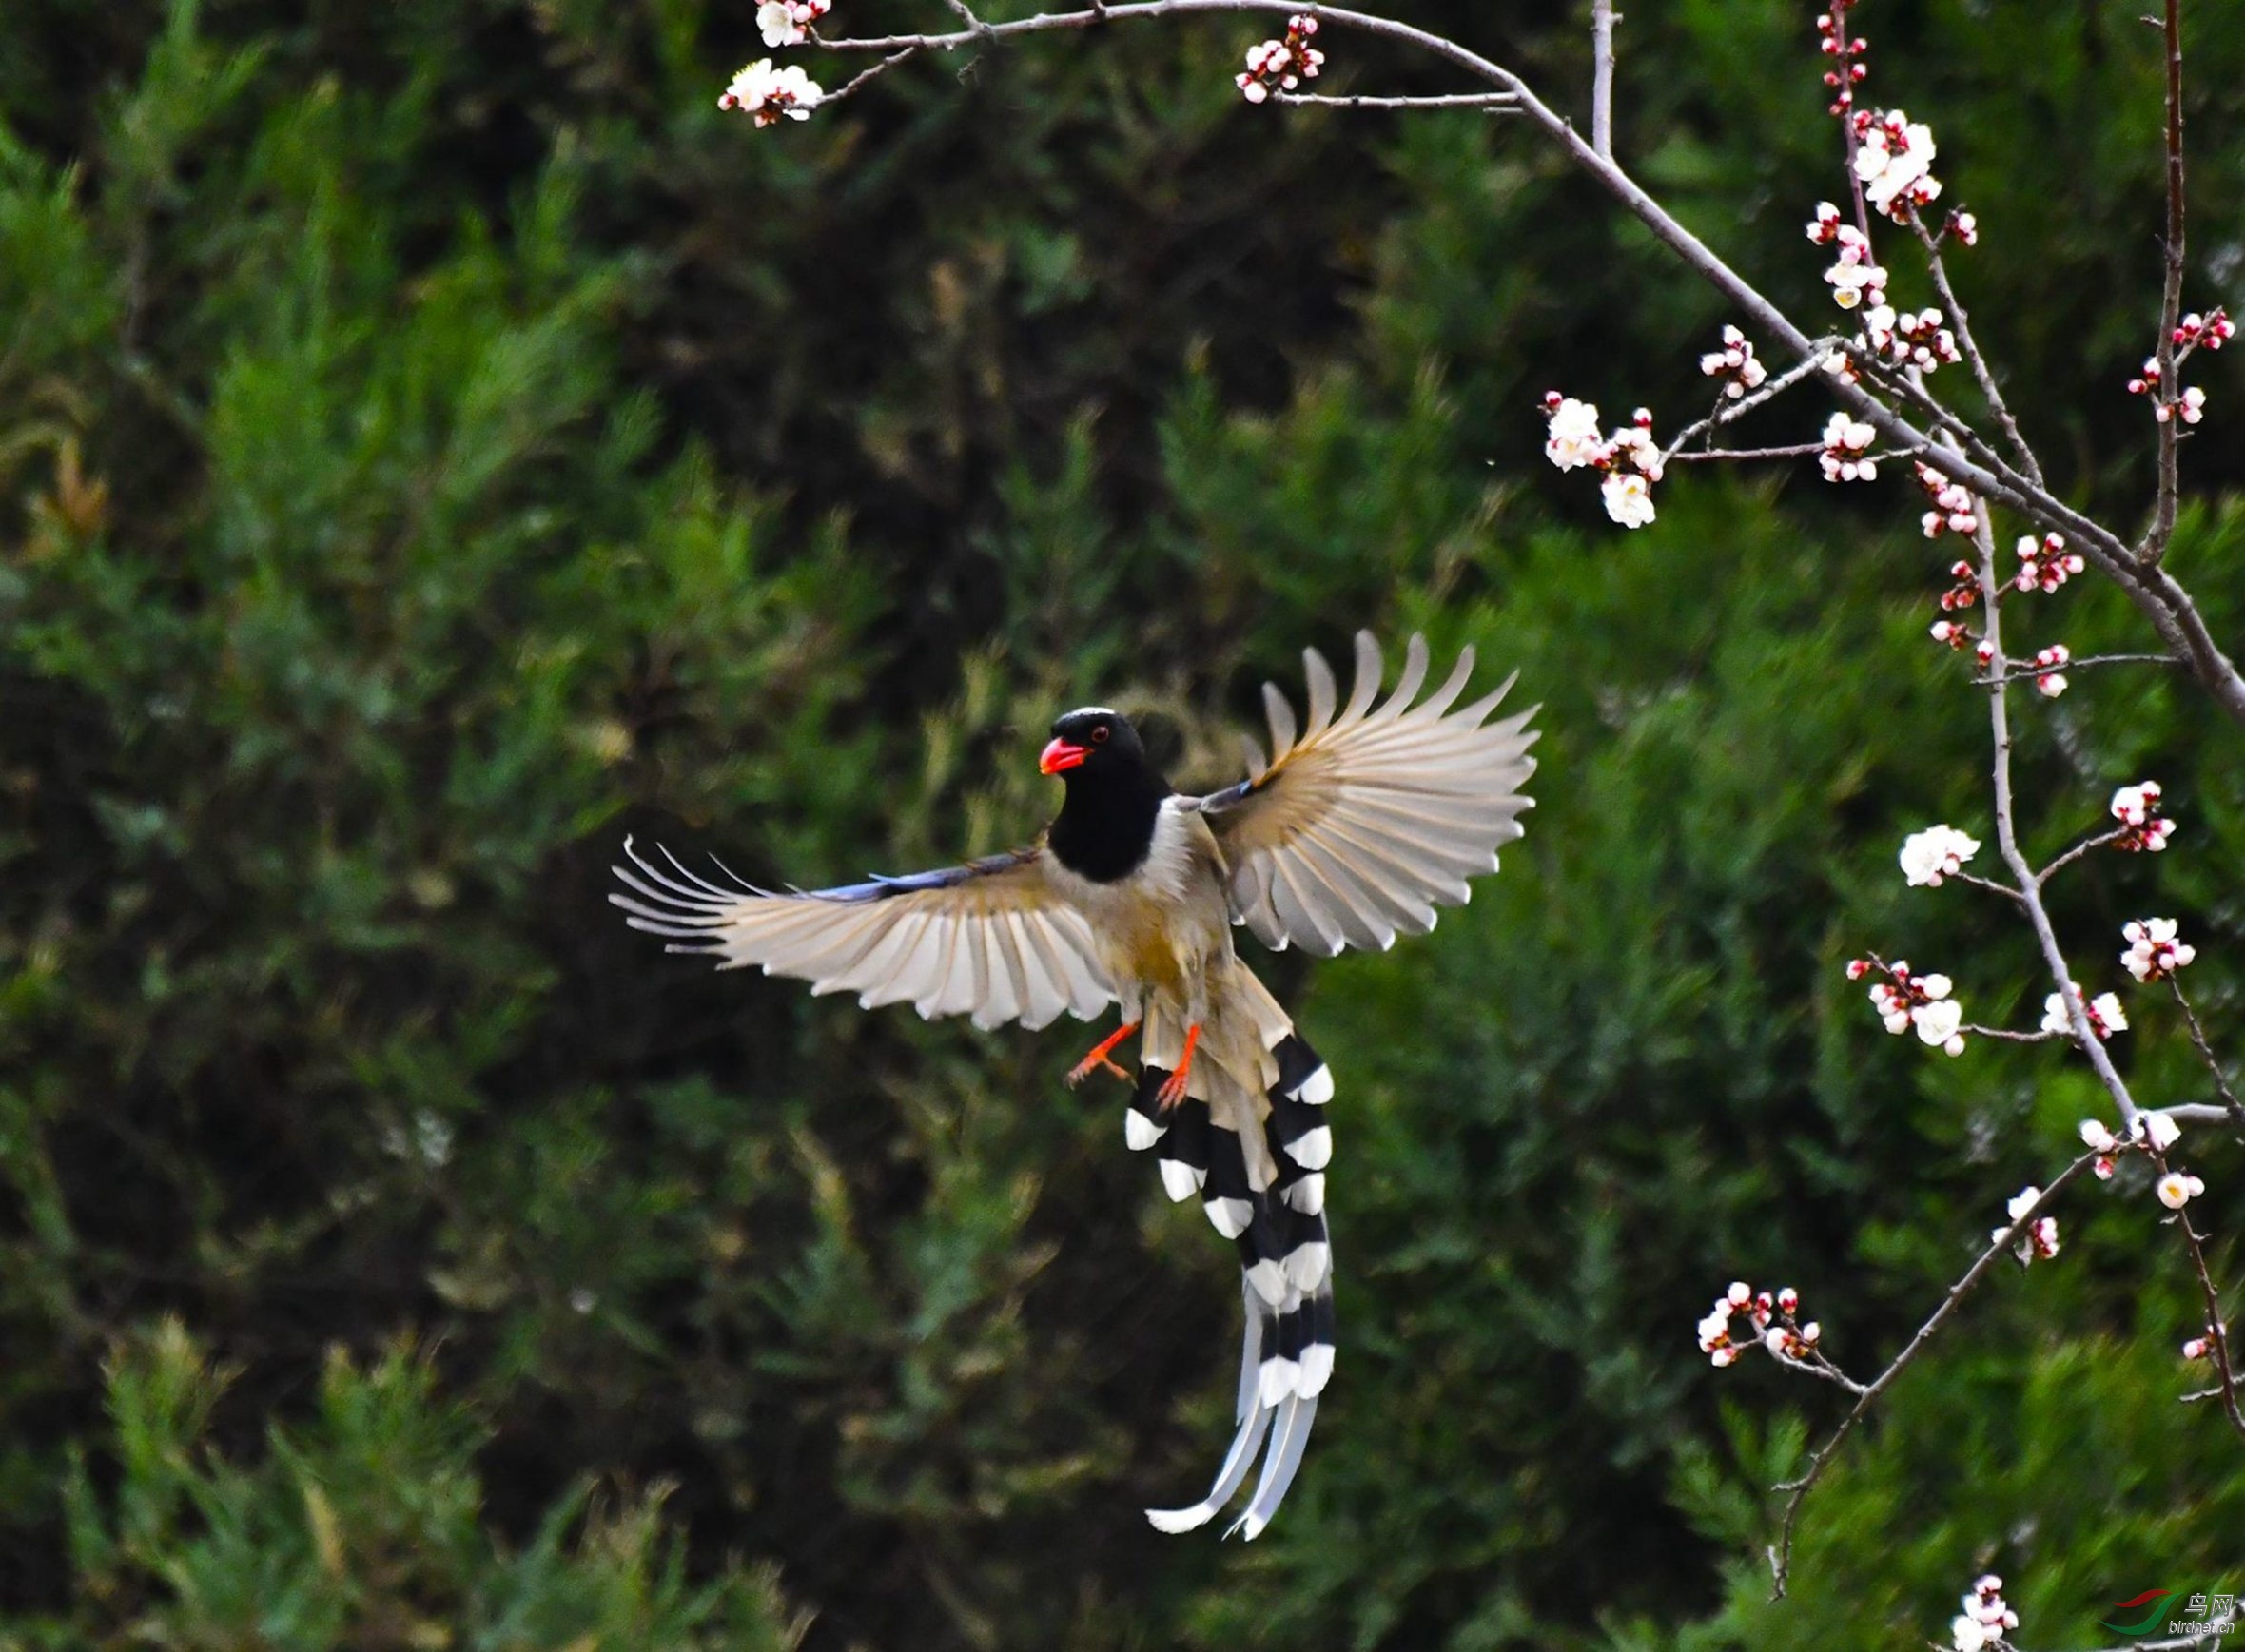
pixel 1093 742
pixel 1106 824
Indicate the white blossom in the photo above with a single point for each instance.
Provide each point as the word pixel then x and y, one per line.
pixel 1937 852
pixel 2105 1016
pixel 1572 439
pixel 2153 953
pixel 2161 1130
pixel 1628 498
pixel 1940 1023
pixel 2177 1188
pixel 788 21
pixel 1893 160
pixel 766 93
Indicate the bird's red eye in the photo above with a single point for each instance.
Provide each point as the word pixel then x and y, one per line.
pixel 1099 735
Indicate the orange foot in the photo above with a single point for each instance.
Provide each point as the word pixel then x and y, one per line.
pixel 1098 1059
pixel 1173 1087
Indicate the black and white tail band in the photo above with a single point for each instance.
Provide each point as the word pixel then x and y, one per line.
pixel 1278 1223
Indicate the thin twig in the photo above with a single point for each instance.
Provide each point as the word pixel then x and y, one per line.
pixel 2087 662
pixel 1495 101
pixel 1737 407
pixel 1781 1552
pixel 875 72
pixel 2163 514
pixel 2079 850
pixel 1954 307
pixel 1989 884
pixel 2040 1036
pixel 966 14
pixel 2217 1330
pixel 2206 1054
pixel 1602 22
pixel 1794 450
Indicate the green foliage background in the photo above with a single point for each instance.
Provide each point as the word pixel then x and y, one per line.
pixel 433 442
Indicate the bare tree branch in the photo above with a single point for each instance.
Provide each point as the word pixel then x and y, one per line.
pixel 2163 514
pixel 1792 449
pixel 2040 1036
pixel 1496 103
pixel 1989 884
pixel 1602 22
pixel 1954 308
pixel 2088 662
pixel 873 73
pixel 2221 1082
pixel 2029 883
pixel 1732 408
pixel 1781 1552
pixel 2217 1330
pixel 2079 850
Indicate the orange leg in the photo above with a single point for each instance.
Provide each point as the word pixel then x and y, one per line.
pixel 1098 1058
pixel 1173 1088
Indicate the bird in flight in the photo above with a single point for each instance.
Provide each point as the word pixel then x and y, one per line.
pixel 1357 827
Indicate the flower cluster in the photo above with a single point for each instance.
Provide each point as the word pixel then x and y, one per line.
pixel 1953 510
pixel 1845 458
pixel 2106 1017
pixel 2155 1133
pixel 2213 330
pixel 1774 1316
pixel 1963 593
pixel 1986 1618
pixel 1893 161
pixel 2049 669
pixel 2143 828
pixel 788 21
pixel 1847 65
pixel 1937 852
pixel 2038 1238
pixel 1905 1002
pixel 766 93
pixel 2177 1188
pixel 2190 406
pixel 1280 65
pixel 1963 225
pixel 1912 339
pixel 2153 953
pixel 1855 278
pixel 1629 457
pixel 2045 564
pixel 1735 364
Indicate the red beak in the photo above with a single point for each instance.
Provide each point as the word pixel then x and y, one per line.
pixel 1062 754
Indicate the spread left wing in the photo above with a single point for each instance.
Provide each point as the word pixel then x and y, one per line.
pixel 991 939
pixel 1357 828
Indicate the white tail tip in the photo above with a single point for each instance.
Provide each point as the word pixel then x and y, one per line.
pixel 1176 1520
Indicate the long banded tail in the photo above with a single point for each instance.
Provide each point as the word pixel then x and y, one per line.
pixel 1265 1193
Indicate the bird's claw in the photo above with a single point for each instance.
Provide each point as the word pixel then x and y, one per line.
pixel 1172 1090
pixel 1091 1064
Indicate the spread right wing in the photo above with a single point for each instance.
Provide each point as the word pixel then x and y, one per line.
pixel 991 939
pixel 1369 818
